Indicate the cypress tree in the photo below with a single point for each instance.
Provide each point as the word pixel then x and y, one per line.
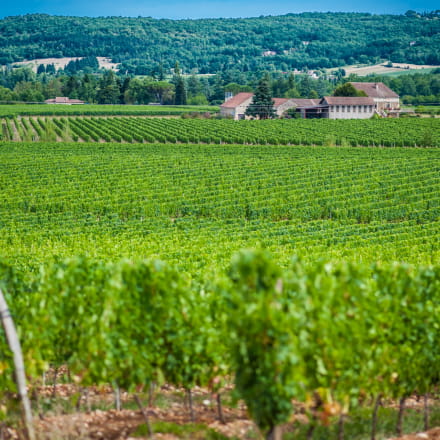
pixel 262 103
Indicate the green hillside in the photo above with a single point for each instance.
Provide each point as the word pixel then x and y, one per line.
pixel 210 45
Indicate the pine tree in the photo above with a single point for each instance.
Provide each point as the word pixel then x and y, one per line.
pixel 262 103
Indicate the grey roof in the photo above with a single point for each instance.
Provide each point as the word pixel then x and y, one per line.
pixel 347 100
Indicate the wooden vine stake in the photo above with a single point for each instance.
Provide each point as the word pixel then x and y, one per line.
pixel 20 377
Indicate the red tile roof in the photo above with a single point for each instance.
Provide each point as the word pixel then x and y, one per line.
pixel 237 100
pixel 375 90
pixel 279 101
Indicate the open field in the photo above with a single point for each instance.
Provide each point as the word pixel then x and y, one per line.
pixel 382 69
pixel 60 63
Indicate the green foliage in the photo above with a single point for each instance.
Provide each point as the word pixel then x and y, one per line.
pixel 307 40
pixel 268 374
pixel 262 103
pixel 348 89
pixel 196 128
pixel 183 431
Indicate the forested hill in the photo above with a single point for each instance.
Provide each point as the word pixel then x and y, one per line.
pixel 211 45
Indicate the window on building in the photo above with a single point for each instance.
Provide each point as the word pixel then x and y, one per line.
pixel 343 108
pixel 348 108
pixel 337 108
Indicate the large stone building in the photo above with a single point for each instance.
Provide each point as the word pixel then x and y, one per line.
pixel 380 99
pixel 348 107
pixel 383 96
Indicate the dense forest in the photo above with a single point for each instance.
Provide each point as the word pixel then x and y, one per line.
pixel 272 43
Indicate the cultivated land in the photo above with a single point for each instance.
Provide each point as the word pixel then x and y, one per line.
pixel 197 319
pixel 195 205
pixel 61 63
pixel 382 69
pixel 381 132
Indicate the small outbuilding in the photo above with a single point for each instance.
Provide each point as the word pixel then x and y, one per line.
pixel 63 100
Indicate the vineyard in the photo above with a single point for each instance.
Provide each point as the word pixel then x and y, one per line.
pixel 124 251
pixel 10 111
pixel 383 132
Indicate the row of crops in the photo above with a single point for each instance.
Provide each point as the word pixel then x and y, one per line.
pixel 381 132
pixel 195 205
pixel 331 336
pixel 10 111
pixel 284 328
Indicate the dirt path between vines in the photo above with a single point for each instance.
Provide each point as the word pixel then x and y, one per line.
pixel 63 420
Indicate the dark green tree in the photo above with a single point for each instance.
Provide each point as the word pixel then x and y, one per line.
pixel 348 89
pixel 180 97
pixel 41 69
pixel 262 102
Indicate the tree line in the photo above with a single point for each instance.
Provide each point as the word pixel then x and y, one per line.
pixel 173 87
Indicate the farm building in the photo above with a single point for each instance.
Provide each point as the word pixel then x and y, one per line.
pixel 235 106
pixel 63 100
pixel 348 107
pixel 383 96
pixel 379 99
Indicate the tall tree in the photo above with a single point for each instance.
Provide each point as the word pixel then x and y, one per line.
pixel 179 83
pixel 262 102
pixel 180 97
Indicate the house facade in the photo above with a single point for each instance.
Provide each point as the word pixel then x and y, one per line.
pixel 384 97
pixel 338 107
pixel 63 100
pixel 235 106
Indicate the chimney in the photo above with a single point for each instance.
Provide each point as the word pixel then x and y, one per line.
pixel 228 96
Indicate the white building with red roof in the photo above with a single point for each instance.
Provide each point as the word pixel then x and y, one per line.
pixel 236 106
pixel 383 96
pixel 348 107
